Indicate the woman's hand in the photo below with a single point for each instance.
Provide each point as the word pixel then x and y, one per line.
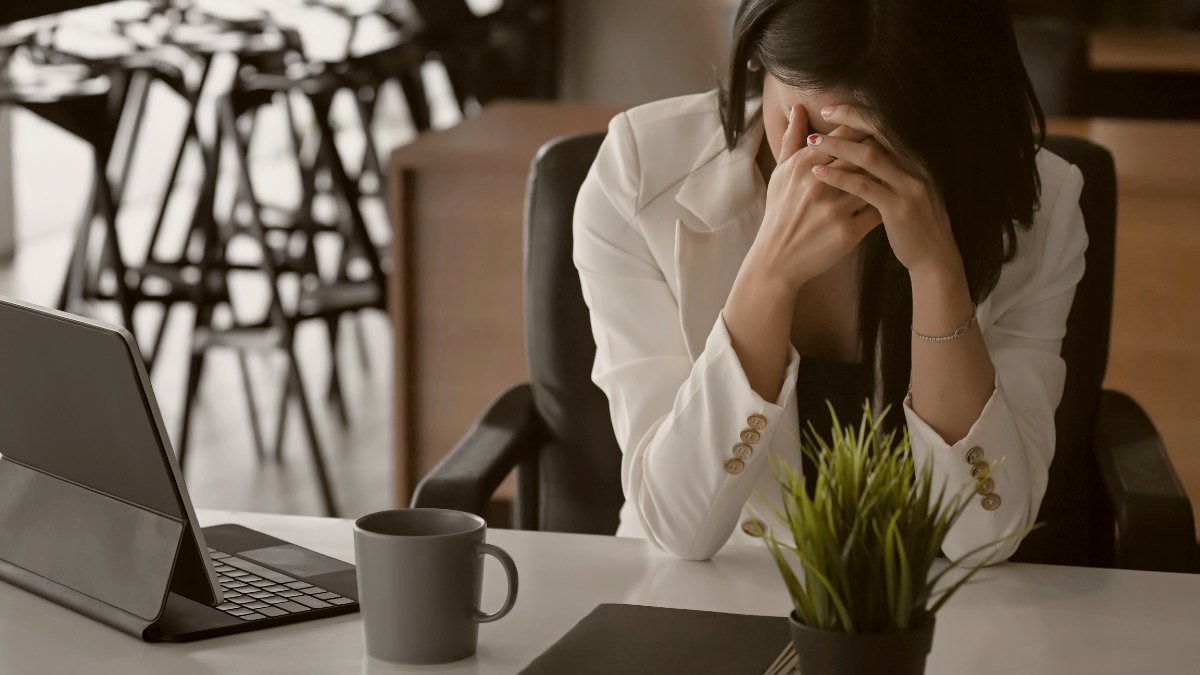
pixel 914 214
pixel 808 226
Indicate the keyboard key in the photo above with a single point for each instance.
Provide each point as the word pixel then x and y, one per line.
pixel 311 602
pixel 327 596
pixel 340 601
pixel 257 604
pixel 257 569
pixel 260 595
pixel 236 585
pixel 225 606
pixel 298 585
pixel 293 607
pixel 275 600
pixel 271 611
pixel 275 588
pixel 262 583
pixel 314 591
pixel 217 555
pixel 233 597
pixel 238 611
pixel 239 575
pixel 290 594
pixel 251 616
pixel 242 600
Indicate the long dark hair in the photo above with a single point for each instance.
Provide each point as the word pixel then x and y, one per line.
pixel 945 79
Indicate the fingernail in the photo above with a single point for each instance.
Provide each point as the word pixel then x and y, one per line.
pixel 820 170
pixel 815 139
pixel 827 111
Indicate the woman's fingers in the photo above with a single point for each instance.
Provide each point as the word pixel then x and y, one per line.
pixel 866 154
pixel 851 116
pixel 857 184
pixel 793 136
pixel 815 154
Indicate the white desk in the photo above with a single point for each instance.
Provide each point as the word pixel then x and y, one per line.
pixel 1018 619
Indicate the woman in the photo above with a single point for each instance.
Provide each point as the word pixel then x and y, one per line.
pixel 864 210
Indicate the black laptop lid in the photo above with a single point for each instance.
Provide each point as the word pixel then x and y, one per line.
pixel 72 406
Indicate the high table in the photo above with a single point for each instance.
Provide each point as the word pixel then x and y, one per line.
pixel 1014 619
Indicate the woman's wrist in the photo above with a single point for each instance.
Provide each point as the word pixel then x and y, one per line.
pixel 765 288
pixel 938 273
pixel 941 297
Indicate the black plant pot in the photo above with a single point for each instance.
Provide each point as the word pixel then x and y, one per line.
pixel 825 652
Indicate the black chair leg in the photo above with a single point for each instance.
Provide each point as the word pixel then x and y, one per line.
pixel 360 337
pixel 310 430
pixel 251 406
pixel 155 339
pixel 413 88
pixel 281 420
pixel 335 393
pixel 195 370
pixel 74 281
pixel 108 214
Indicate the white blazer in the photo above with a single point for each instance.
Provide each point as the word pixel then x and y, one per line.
pixel 662 224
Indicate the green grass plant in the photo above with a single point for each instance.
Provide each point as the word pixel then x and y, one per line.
pixel 859 548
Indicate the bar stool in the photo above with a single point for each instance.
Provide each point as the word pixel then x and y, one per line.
pixel 87 105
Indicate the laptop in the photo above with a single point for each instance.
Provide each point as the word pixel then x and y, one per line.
pixel 94 513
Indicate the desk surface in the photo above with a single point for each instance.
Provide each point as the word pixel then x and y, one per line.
pixel 1016 619
pixel 1145 49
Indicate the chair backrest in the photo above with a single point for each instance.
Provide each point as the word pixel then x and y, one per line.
pixel 1055 53
pixel 1078 523
pixel 577 475
pixel 579 466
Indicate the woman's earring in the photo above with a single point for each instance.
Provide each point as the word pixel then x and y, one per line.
pixel 753 65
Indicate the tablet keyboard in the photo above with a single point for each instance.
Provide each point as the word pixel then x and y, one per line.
pixel 255 592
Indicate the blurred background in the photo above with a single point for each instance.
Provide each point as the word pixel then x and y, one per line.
pixel 310 211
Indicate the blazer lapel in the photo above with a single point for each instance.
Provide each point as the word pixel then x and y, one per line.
pixel 725 196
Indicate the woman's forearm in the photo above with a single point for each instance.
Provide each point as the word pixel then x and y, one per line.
pixel 758 316
pixel 951 380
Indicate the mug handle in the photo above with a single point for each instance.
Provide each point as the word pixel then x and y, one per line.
pixel 510 572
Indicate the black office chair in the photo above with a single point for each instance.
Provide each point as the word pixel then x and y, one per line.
pixel 1055 52
pixel 1113 497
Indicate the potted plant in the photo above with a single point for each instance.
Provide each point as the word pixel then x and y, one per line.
pixel 859 550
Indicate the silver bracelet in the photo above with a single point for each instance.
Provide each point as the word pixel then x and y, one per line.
pixel 958 332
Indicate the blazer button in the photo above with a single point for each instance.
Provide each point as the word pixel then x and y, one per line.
pixel 743 452
pixel 757 422
pixel 991 502
pixel 975 455
pixel 753 527
pixel 750 436
pixel 986 487
pixel 735 466
pixel 978 469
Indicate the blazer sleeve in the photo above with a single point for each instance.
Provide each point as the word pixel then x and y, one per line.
pixel 1015 432
pixel 676 421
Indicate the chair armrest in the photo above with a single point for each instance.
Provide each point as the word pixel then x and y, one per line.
pixel 468 476
pixel 1155 528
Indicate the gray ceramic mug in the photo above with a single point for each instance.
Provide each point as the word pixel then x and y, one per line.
pixel 420 576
